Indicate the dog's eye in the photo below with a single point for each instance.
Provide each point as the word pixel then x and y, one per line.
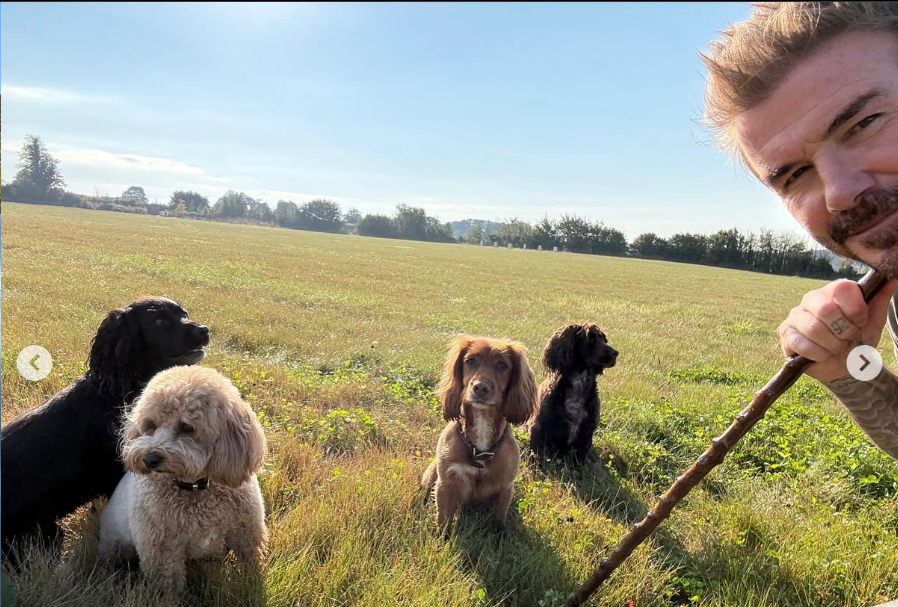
pixel 186 428
pixel 149 427
pixel 501 366
pixel 470 362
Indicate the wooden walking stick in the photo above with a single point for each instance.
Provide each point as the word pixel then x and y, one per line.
pixel 793 368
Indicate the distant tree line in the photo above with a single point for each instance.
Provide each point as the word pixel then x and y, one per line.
pixel 39 181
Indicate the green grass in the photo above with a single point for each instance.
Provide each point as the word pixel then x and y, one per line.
pixel 338 342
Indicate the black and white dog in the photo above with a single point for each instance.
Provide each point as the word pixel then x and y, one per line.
pixel 569 404
pixel 64 453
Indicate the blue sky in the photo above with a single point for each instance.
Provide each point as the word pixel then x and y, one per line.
pixel 468 110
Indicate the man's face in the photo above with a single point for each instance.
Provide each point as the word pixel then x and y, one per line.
pixel 826 142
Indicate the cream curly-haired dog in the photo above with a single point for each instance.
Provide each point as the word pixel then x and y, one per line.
pixel 191 447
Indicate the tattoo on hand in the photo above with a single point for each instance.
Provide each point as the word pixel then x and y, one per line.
pixel 873 405
pixel 839 326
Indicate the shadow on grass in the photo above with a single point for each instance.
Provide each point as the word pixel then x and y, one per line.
pixel 599 488
pixel 513 567
pixel 719 569
pixel 78 577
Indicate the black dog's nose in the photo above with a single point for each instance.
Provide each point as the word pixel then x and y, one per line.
pixel 203 330
pixel 613 352
pixel 152 460
pixel 481 388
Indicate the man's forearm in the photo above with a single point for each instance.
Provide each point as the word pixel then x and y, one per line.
pixel 874 406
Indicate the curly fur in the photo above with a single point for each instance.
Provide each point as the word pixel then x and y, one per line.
pixel 486 385
pixel 189 424
pixel 64 452
pixel 569 404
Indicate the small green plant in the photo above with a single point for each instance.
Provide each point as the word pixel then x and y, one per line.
pixel 714 376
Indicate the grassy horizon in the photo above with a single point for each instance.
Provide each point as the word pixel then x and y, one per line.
pixel 337 341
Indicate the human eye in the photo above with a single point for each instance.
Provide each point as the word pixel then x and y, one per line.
pixel 795 176
pixel 864 123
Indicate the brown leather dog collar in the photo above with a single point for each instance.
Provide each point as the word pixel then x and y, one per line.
pixel 476 457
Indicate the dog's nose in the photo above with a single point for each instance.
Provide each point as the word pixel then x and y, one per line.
pixel 481 388
pixel 613 352
pixel 202 330
pixel 152 460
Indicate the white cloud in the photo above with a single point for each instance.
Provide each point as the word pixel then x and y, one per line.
pixel 213 192
pixel 275 195
pixel 11 92
pixel 104 159
pixel 212 179
pixel 135 162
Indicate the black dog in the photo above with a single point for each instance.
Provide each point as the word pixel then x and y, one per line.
pixel 569 404
pixel 64 453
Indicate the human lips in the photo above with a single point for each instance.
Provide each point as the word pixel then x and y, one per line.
pixel 868 220
pixel 869 227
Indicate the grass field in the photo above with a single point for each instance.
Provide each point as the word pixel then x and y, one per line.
pixel 338 341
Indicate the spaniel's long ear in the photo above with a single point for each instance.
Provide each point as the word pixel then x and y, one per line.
pixel 521 395
pixel 559 352
pixel 240 449
pixel 452 382
pixel 113 349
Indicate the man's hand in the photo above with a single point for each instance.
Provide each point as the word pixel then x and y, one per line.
pixel 830 322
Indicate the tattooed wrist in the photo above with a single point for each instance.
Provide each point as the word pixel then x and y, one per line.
pixel 873 405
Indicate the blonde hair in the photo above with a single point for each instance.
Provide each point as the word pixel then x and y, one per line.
pixel 754 56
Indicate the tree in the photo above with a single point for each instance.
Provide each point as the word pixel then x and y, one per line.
pixel 649 244
pixel 725 247
pixel 606 241
pixel 515 231
pixel 574 233
pixel 545 234
pixel 376 225
pixel 321 216
pixel 438 232
pixel 353 215
pixel 193 202
pixel 410 222
pixel 474 234
pixel 687 247
pixel 136 195
pixel 232 204
pixel 286 214
pixel 38 177
pixel 260 210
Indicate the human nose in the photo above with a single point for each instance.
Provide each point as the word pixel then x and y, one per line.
pixel 843 182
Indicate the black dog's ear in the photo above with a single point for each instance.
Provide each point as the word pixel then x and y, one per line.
pixel 600 345
pixel 104 342
pixel 115 350
pixel 595 336
pixel 559 352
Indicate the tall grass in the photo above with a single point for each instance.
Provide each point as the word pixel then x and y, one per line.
pixel 338 341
